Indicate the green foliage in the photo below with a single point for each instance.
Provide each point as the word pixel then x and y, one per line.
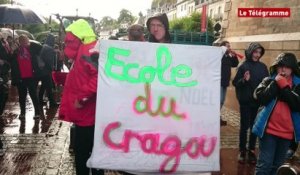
pixel 35 28
pixel 108 22
pixel 159 3
pixel 4 1
pixel 176 24
pixel 125 17
pixel 190 24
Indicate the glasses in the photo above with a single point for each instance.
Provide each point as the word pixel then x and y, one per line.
pixel 157 25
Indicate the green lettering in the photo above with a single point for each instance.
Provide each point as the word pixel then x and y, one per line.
pixel 147 70
pixel 126 73
pixel 111 61
pixel 163 52
pixel 147 74
pixel 182 71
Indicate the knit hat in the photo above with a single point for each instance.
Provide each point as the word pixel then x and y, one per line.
pixel 288 60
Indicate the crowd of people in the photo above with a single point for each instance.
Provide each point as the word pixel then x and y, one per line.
pixel 269 99
pixel 26 63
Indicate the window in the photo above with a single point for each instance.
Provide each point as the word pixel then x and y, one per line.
pixel 210 12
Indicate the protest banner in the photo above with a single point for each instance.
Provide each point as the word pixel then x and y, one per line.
pixel 158 108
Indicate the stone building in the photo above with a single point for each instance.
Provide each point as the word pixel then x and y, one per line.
pixel 275 34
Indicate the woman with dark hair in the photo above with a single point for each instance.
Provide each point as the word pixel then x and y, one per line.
pixel 158 27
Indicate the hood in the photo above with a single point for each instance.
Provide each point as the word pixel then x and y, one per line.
pixel 288 60
pixel 251 48
pixel 81 29
pixel 50 40
pixel 162 17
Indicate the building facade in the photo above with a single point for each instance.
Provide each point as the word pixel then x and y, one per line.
pixel 183 8
pixel 275 34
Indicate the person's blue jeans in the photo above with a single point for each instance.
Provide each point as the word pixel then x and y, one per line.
pixel 272 151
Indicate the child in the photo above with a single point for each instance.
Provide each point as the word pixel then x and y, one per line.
pixel 278 123
pixel 250 73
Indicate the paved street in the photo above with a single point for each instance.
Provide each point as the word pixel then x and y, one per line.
pixel 41 147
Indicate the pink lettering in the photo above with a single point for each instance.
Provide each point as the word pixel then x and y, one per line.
pixel 171 146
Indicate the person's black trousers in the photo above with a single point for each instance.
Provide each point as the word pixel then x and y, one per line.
pixel 84 139
pixel 47 85
pixel 3 97
pixel 29 84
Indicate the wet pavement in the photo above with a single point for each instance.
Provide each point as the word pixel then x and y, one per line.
pixel 41 147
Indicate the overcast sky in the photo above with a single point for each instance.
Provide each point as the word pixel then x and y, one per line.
pixel 97 8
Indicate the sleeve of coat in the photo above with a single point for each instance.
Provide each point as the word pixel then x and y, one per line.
pixel 89 90
pixel 234 61
pixel 292 97
pixel 266 91
pixel 238 80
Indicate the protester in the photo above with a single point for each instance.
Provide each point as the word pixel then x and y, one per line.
pixel 229 60
pixel 158 27
pixel 13 45
pixel 278 123
pixel 249 74
pixel 24 72
pixel 136 33
pixel 45 63
pixel 4 71
pixel 294 145
pixel 78 103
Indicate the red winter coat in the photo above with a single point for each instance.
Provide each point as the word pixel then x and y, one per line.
pixel 81 84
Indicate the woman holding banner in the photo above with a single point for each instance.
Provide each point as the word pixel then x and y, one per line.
pixel 78 104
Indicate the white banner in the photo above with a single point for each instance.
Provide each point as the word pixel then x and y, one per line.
pixel 158 108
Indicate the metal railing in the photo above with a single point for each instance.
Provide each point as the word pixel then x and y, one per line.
pixel 195 38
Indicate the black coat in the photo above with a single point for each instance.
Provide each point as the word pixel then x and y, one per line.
pixel 34 50
pixel 258 71
pixel 269 90
pixel 244 89
pixel 47 56
pixel 227 63
pixel 4 69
